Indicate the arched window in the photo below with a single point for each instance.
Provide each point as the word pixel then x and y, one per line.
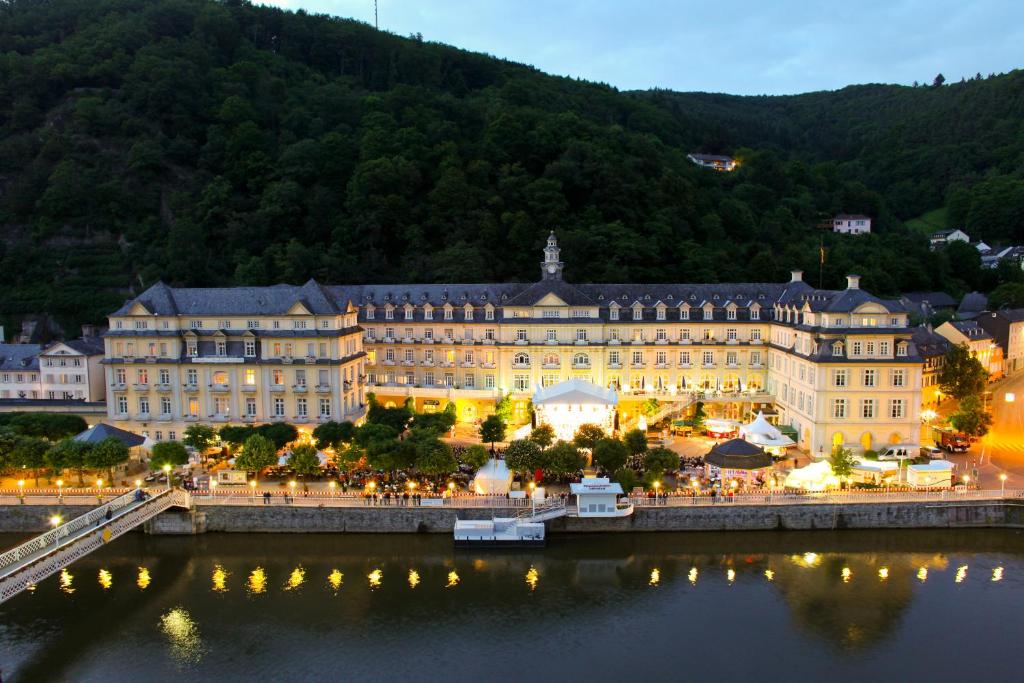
pixel 581 360
pixel 521 359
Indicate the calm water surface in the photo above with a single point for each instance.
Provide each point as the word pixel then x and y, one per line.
pixel 767 606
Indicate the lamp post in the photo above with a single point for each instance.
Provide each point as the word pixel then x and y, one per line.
pixel 213 487
pixel 99 490
pixel 291 487
pixel 60 490
pixel 332 485
pixel 55 522
pixel 657 485
pixel 252 487
pixel 21 491
pixel 1002 484
pixel 167 474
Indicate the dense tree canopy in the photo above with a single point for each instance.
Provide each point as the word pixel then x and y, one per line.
pixel 215 143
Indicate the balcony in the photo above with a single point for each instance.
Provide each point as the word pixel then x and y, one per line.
pixel 709 341
pixel 660 366
pixel 756 341
pixel 447 340
pixel 164 418
pixel 732 342
pixel 323 388
pixel 142 417
pixel 708 366
pixel 490 342
pixel 614 366
pixel 220 417
pixel 388 340
pixel 551 342
pixel 220 387
pixel 686 341
pixel 300 388
pixel 408 340
pixel 429 363
pixel 163 387
pixel 521 342
pixel 488 366
pixel 581 366
pixel 248 388
pixel 550 366
pixel 140 386
pixel 636 366
pixel 467 364
pixel 446 364
pixel 427 340
pixel 118 386
pixel 756 366
pixel 468 341
pixel 638 342
pixel 277 388
pixel 520 366
pixel 387 362
pixel 581 342
pixel 685 366
pixel 614 342
pixel 248 418
pixel 732 365
pixel 191 418
pixel 408 363
pixel 191 388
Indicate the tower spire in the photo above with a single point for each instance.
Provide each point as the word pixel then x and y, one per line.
pixel 551 266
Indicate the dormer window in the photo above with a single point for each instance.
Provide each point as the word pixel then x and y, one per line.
pixel 901 349
pixel 469 313
pixel 369 313
pixel 449 314
pixel 660 313
pixel 684 313
pixel 389 313
pixel 755 313
pixel 613 313
pixel 837 349
pixel 488 314
pixel 730 314
pixel 709 313
pixel 428 313
pixel 408 312
pixel 638 313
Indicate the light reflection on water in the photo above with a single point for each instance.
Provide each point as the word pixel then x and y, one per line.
pixel 813 601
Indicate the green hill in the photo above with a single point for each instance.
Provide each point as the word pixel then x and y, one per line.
pixel 218 143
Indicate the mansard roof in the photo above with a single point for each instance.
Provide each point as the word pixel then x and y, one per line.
pixel 572 295
pixel 20 357
pixel 161 299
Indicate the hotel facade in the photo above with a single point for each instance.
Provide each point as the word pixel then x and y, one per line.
pixel 838 366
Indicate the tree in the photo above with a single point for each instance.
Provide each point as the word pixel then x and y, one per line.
pixel 627 478
pixel 492 429
pixel 504 409
pixel 200 437
pixel 971 418
pixel 333 434
pixel 1007 295
pixel 106 455
pixel 543 435
pixel 369 433
pixel 636 441
pixel 168 453
pixel 52 426
pixel 562 458
pixel 842 461
pixel 235 435
pixel 475 456
pixel 697 421
pixel 611 454
pixel 30 453
pixel 523 456
pixel 304 460
pixel 70 454
pixel 435 458
pixel 280 433
pixel 962 375
pixel 258 453
pixel 657 461
pixel 587 435
pixel 939 80
pixel 650 407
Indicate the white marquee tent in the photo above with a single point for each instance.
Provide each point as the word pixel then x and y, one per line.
pixel 765 435
pixel 492 479
pixel 567 405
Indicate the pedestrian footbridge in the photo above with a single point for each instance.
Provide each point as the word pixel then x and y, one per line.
pixel 47 554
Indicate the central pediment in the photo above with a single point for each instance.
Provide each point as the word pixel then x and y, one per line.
pixel 551 299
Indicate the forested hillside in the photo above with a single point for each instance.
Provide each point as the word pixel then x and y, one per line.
pixel 218 143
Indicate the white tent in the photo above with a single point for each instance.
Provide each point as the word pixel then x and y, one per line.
pixel 492 479
pixel 283 459
pixel 817 476
pixel 322 457
pixel 567 405
pixel 765 434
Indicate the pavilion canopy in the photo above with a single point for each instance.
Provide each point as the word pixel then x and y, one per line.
pixel 817 476
pixel 764 434
pixel 737 454
pixel 575 392
pixel 493 478
pixel 101 431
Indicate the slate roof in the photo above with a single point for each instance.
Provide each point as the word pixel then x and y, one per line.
pixel 737 454
pixel 929 343
pixel 933 299
pixel 970 329
pixel 19 357
pixel 101 431
pixel 972 304
pixel 161 299
pixel 87 347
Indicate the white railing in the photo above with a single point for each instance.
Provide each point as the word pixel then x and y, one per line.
pixel 549 509
pixel 351 499
pixel 60 547
pixel 831 498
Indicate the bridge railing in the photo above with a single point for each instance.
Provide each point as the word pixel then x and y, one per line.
pixel 53 536
pixel 830 498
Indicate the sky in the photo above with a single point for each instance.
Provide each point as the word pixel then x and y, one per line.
pixel 745 47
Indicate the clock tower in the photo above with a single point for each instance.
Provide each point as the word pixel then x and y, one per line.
pixel 551 268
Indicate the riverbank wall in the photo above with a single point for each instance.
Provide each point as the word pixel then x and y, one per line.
pixel 725 517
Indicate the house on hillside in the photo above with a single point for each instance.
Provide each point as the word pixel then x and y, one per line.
pixel 1007 328
pixel 927 304
pixel 73 370
pixel 971 305
pixel 944 237
pixel 19 370
pixel 932 348
pixel 982 345
pixel 713 161
pixel 851 224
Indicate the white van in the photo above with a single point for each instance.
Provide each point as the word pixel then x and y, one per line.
pixel 899 451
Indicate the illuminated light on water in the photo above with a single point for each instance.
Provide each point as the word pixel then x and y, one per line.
pixel 731 575
pixel 997 574
pixel 220 577
pixel 375 577
pixel 692 575
pixel 961 574
pixel 453 579
pixel 847 574
pixel 66 578
pixel 532 577
pixel 143 580
pixel 334 579
pixel 414 578
pixel 106 580
pixel 811 559
pixel 769 574
pixel 883 573
pixel 257 583
pixel 182 636
pixel 295 579
pixel 922 574
pixel 655 577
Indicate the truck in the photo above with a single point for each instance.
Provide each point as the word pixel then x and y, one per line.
pixel 950 440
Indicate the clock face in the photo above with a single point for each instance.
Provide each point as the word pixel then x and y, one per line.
pixel 552 268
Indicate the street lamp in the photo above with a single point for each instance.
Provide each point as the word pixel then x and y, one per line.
pixel 213 487
pixel 167 474
pixel 291 486
pixel 60 490
pixel 332 485
pixel 657 485
pixel 99 490
pixel 21 491
pixel 55 522
pixel 138 483
pixel 1002 483
pixel 252 487
pixel 1009 397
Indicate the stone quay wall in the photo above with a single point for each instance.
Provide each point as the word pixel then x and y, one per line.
pixel 723 517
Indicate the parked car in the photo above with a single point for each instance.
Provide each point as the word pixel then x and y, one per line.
pixel 898 452
pixel 932 453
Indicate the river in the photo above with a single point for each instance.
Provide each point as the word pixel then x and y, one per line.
pixel 792 606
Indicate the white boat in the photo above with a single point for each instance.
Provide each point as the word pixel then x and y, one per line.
pixel 498 532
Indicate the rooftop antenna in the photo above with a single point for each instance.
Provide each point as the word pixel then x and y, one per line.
pixel 375 24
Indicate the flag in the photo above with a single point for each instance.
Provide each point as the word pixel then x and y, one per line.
pixel 821 254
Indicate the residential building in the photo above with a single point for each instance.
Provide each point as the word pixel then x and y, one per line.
pixel 839 366
pixel 713 161
pixel 927 304
pixel 972 305
pixel 73 370
pixel 233 355
pixel 932 347
pixel 1007 329
pixel 981 344
pixel 944 237
pixel 851 224
pixel 19 371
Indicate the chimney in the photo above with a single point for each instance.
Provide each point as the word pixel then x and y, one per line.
pixel 853 281
pixel 88 331
pixel 796 276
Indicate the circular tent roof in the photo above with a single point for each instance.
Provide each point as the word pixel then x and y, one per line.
pixel 737 454
pixel 763 433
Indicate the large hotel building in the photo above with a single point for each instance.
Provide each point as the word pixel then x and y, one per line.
pixel 838 366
